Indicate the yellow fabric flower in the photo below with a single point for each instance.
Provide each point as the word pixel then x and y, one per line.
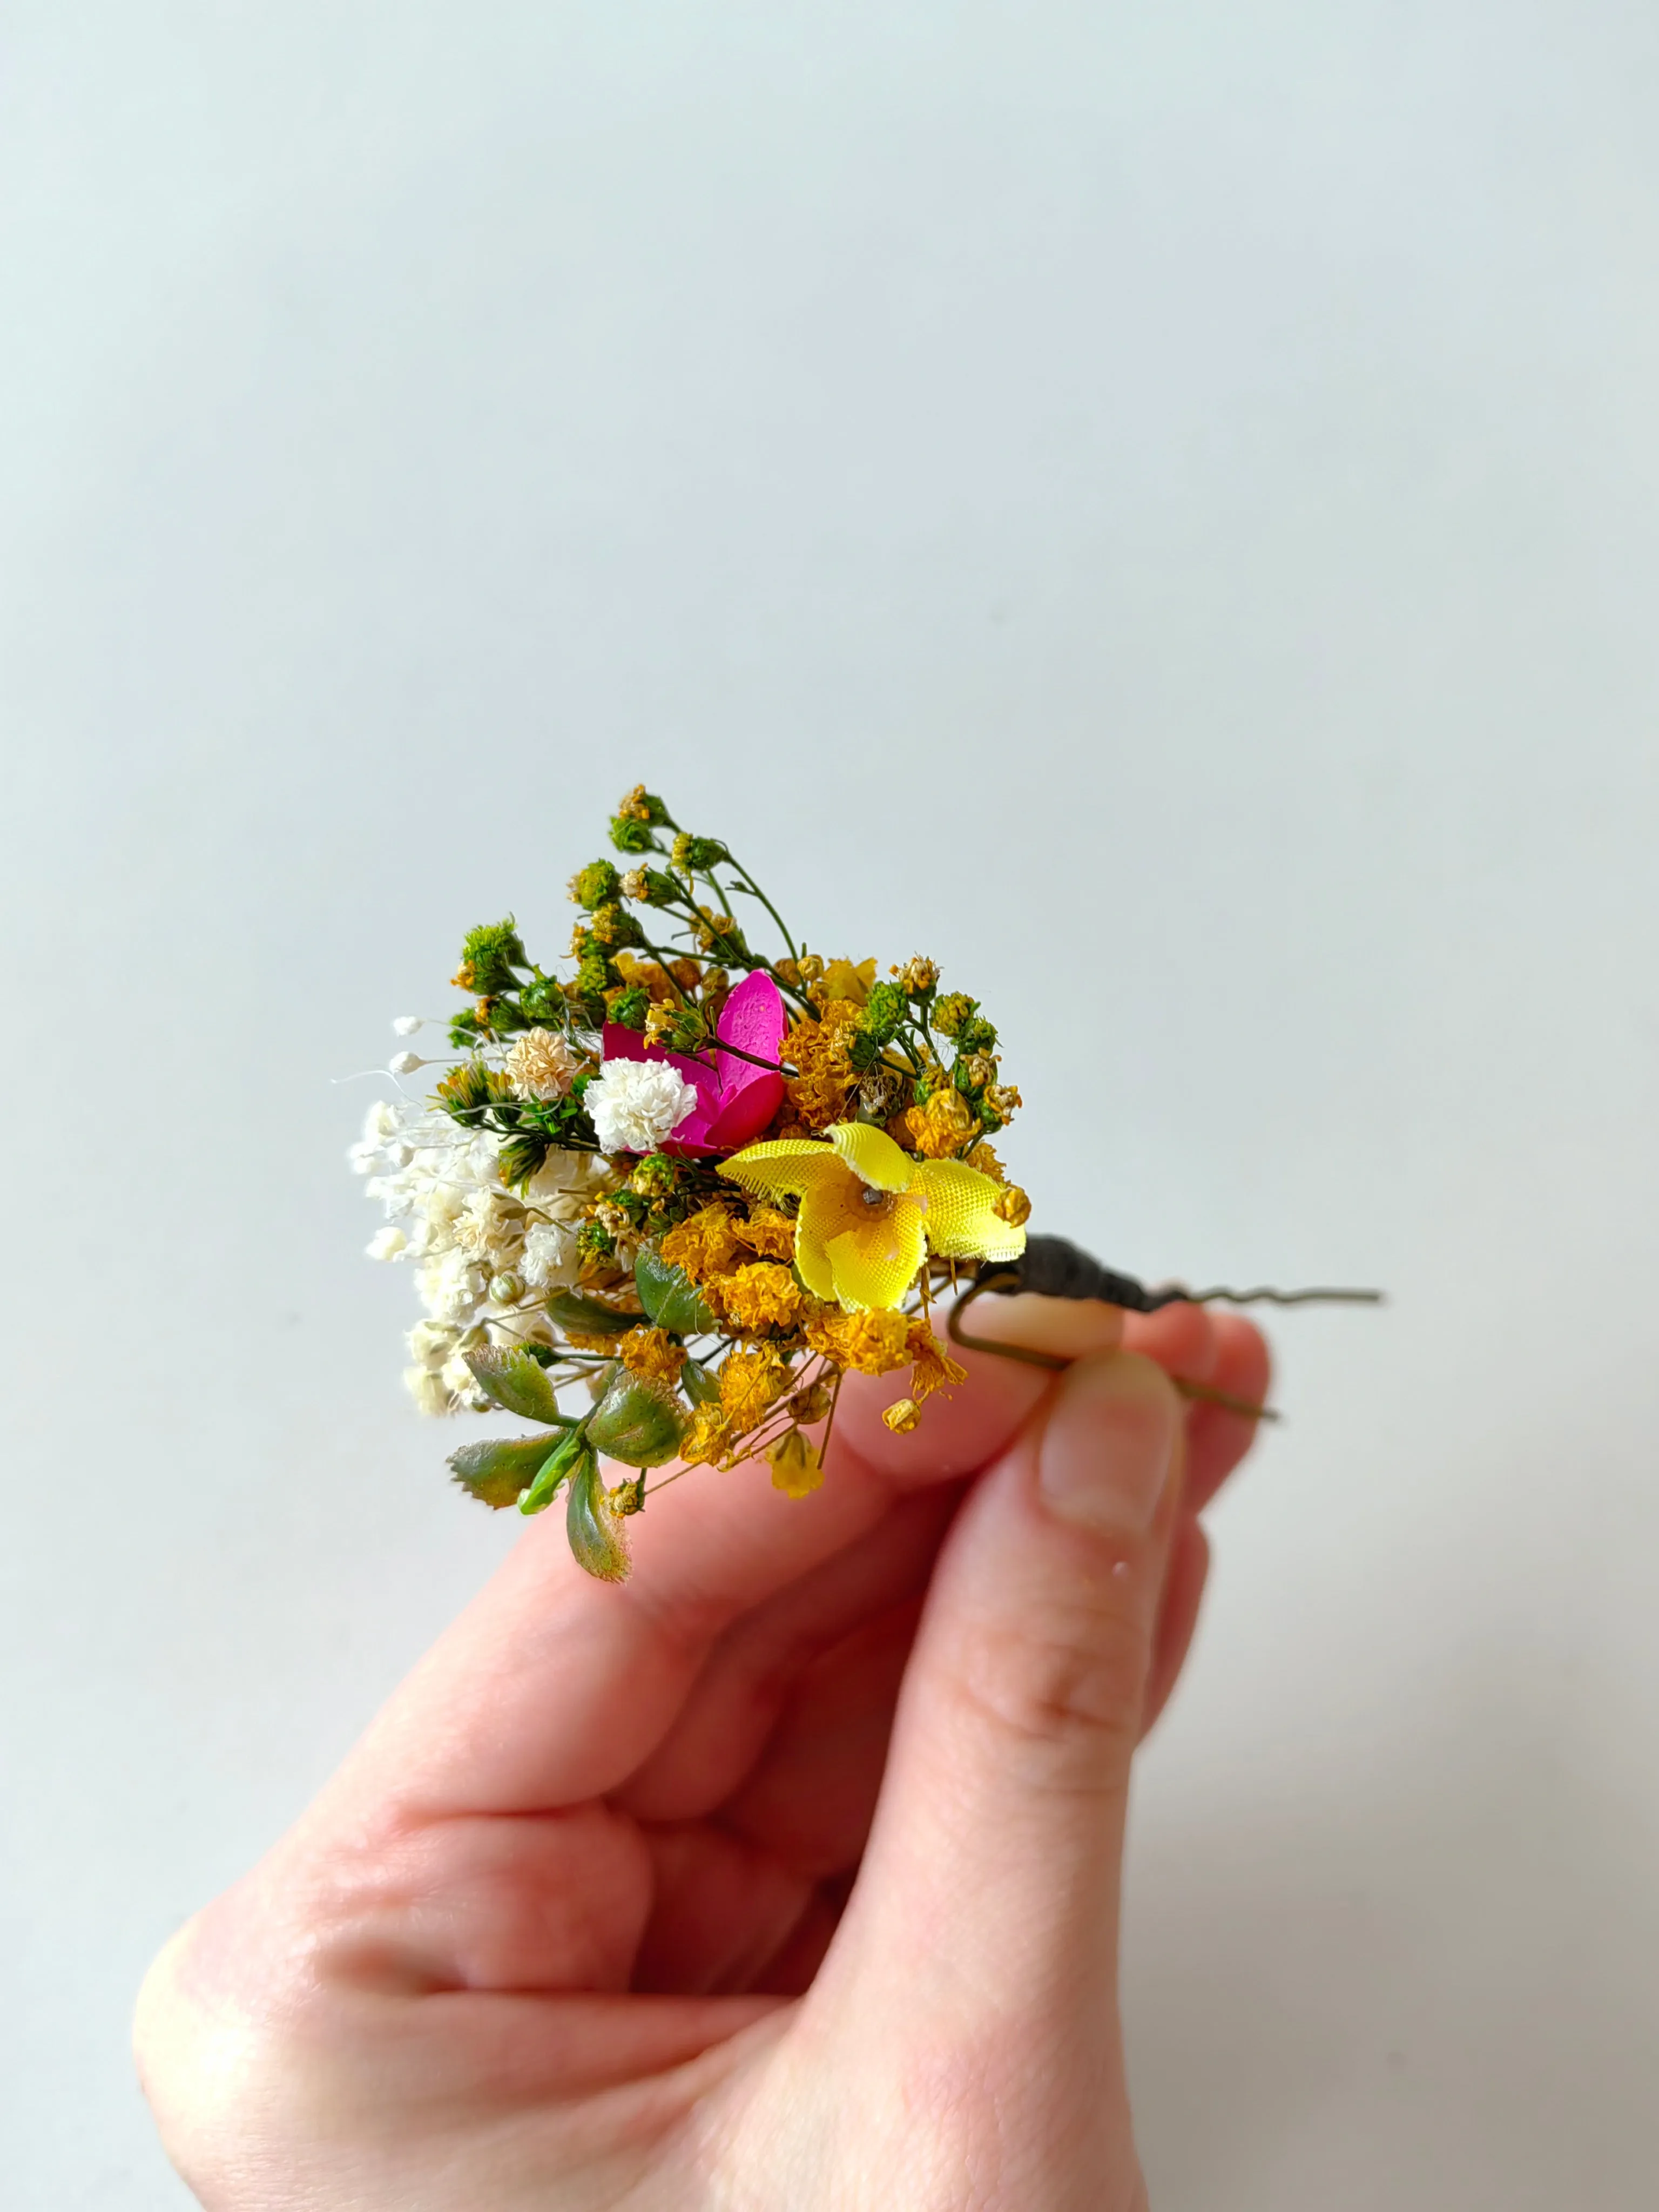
pixel 869 1211
pixel 842 979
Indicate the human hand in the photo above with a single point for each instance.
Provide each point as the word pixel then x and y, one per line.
pixel 785 1876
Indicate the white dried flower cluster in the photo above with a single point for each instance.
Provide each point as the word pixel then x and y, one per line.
pixel 481 1250
pixel 635 1103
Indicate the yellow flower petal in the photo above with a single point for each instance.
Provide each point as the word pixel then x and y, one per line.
pixel 963 1223
pixel 782 1168
pixel 875 1264
pixel 872 1155
pixel 834 1207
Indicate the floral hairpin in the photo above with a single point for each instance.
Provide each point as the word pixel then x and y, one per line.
pixel 704 1182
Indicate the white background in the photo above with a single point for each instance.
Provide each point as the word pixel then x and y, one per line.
pixel 1153 505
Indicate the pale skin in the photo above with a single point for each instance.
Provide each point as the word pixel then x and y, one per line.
pixel 785 1876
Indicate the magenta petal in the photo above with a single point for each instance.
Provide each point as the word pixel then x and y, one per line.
pixel 753 1019
pixel 618 1042
pixel 745 1112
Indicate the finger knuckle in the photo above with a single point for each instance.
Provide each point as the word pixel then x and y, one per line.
pixel 1063 1692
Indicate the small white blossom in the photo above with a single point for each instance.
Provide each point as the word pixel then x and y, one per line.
pixel 386 1244
pixel 635 1104
pixel 550 1255
pixel 427 1390
pixel 430 1344
pixel 406 1024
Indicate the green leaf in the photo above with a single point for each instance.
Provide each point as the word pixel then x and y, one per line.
pixel 592 1526
pixel 516 1380
pixel 559 1463
pixel 586 1315
pixel 637 1422
pixel 701 1387
pixel 496 1468
pixel 670 1297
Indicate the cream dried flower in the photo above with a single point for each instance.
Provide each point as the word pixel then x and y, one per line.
pixel 540 1065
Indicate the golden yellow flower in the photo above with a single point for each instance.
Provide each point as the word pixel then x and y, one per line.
pixel 769 1232
pixel 1013 1205
pixel 797 1469
pixel 935 1369
pixel 705 1245
pixel 869 1212
pixel 707 1438
pixel 653 1355
pixel 869 1343
pixel 941 1127
pixel 750 1382
pixel 761 1296
pixel 823 1076
pixel 902 1416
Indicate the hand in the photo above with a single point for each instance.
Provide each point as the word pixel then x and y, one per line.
pixel 785 1876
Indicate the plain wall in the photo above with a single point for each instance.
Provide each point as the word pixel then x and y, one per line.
pixel 1154 506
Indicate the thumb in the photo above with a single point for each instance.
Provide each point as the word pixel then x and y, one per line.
pixel 990 1881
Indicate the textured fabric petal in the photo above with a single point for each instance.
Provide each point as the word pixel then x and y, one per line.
pixel 875 1263
pixel 962 1223
pixel 872 1155
pixel 783 1168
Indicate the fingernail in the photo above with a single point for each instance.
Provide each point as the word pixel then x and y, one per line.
pixel 1109 1443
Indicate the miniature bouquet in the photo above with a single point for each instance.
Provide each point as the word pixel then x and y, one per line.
pixel 663 1205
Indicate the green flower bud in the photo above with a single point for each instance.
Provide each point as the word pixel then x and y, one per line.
pixel 522 1156
pixel 489 956
pixel 595 1240
pixel 507 1289
pixel 976 1035
pixel 698 854
pixel 597 884
pixel 629 1008
pixel 594 974
pixel 470 1090
pixel 884 1011
pixel 950 1011
pixel 629 835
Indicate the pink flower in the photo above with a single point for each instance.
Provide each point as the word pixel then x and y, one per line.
pixel 735 1099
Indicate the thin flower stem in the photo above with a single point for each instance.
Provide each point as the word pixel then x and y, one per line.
pixel 754 888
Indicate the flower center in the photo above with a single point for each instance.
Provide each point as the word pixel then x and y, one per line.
pixel 874 1199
